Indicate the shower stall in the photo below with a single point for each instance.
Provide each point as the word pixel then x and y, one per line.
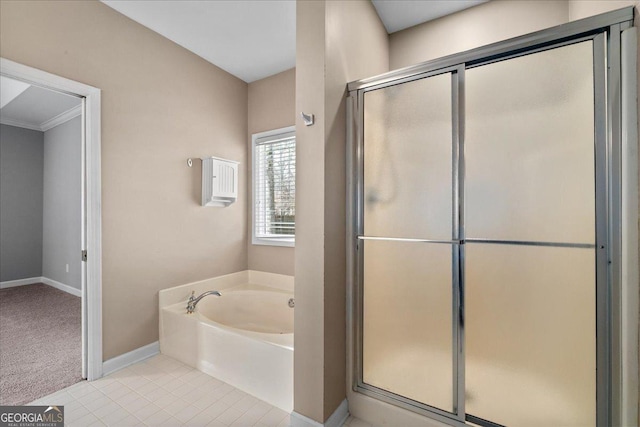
pixel 487 230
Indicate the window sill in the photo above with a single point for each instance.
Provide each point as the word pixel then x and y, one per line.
pixel 265 241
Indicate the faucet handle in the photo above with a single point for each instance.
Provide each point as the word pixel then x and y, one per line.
pixel 190 303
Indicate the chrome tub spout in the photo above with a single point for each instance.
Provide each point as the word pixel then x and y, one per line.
pixel 193 301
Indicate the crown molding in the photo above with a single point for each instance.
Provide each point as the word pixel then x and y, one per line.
pixel 46 125
pixel 18 123
pixel 61 118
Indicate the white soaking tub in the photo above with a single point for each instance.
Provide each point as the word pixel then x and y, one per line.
pixel 244 337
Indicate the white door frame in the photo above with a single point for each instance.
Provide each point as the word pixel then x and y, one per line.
pixel 91 206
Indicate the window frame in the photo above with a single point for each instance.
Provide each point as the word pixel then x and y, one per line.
pixel 265 241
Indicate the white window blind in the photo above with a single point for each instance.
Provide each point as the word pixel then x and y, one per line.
pixel 274 187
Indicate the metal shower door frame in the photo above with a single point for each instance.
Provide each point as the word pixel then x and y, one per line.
pixel 605 32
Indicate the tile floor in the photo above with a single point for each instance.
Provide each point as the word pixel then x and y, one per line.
pixel 161 391
pixel 356 422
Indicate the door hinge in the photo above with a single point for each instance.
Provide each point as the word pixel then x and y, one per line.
pixel 84 256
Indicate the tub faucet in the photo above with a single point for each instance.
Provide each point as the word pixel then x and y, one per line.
pixel 193 301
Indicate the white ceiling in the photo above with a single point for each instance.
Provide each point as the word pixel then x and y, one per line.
pixel 254 39
pixel 397 15
pixel 37 108
pixel 10 89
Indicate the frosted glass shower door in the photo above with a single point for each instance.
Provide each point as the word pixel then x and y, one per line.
pixel 406 244
pixel 530 259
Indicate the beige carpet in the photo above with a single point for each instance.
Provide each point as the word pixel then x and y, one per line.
pixel 40 342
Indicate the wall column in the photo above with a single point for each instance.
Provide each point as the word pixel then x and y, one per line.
pixel 337 42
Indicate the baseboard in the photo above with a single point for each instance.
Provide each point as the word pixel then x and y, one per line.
pixel 134 356
pixel 336 419
pixel 33 280
pixel 20 282
pixel 61 286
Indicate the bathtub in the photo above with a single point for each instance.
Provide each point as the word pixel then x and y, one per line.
pixel 244 337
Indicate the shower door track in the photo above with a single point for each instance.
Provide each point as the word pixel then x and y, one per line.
pixel 605 31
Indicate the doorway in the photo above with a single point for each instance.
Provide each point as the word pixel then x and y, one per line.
pixel 90 200
pixel 40 239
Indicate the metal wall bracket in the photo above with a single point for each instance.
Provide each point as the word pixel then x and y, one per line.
pixel 309 119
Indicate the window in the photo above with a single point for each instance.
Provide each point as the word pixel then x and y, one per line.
pixel 274 187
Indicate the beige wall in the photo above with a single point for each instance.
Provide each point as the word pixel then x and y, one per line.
pixel 338 42
pixel 308 363
pixel 487 23
pixel 478 26
pixel 160 105
pixel 579 9
pixel 271 106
